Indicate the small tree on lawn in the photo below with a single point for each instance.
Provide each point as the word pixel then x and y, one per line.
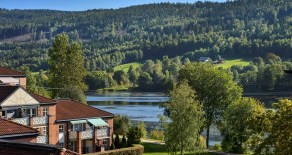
pixel 134 136
pixel 186 116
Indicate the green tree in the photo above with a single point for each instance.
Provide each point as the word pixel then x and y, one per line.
pixel 66 70
pixel 278 138
pixel 238 129
pixel 215 90
pixel 121 124
pixel 134 135
pixel 186 115
pixel 142 128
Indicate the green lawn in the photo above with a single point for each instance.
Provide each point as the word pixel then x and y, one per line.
pixel 125 67
pixel 229 63
pixel 158 149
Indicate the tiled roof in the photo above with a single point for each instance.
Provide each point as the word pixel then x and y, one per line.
pixel 42 99
pixel 8 127
pixel 69 109
pixel 9 72
pixel 5 91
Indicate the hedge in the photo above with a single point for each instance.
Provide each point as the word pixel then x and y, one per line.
pixel 135 150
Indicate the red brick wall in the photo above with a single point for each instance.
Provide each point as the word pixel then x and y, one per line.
pixel 53 127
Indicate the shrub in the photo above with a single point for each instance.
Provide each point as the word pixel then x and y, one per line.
pixel 113 146
pixel 157 134
pixel 217 147
pixel 136 150
pixel 117 141
pixel 142 128
pixel 124 142
pixel 134 136
pixel 202 142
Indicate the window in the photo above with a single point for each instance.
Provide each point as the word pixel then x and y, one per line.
pixel 30 112
pixel 61 145
pixel 77 127
pixel 45 111
pixel 4 114
pixel 11 113
pixel 61 128
pixel 44 131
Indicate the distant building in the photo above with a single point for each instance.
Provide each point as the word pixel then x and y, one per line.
pixel 204 59
pixel 63 123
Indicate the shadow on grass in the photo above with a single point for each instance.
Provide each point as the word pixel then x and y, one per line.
pixel 158 148
pixel 150 148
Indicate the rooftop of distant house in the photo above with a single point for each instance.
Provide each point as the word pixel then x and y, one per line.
pixel 9 72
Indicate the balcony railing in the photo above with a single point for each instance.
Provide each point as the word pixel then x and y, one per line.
pixel 42 139
pixel 72 134
pixel 23 121
pixel 88 134
pixel 102 132
pixel 42 120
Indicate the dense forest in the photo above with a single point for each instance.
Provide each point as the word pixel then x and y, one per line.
pixel 242 28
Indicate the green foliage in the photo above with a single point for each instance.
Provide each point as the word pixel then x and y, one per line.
pixel 157 134
pixel 134 150
pixel 186 116
pixel 215 90
pixel 134 136
pixel 66 71
pixel 142 127
pixel 278 129
pixel 238 129
pixel 117 141
pixel 124 142
pixel 121 124
pixel 235 28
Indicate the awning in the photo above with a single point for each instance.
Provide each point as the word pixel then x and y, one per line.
pixel 78 122
pixel 97 122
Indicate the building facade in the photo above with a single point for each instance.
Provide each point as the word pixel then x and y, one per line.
pixel 63 122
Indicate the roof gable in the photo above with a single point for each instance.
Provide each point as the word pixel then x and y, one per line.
pixel 9 72
pixel 69 109
pixel 11 128
pixel 19 97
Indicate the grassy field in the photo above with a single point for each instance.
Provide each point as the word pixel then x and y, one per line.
pixel 125 67
pixel 158 149
pixel 229 63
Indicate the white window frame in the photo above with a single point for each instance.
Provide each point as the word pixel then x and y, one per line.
pixel 45 111
pixel 44 131
pixel 61 128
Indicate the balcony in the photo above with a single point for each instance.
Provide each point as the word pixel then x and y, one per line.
pixel 88 134
pixel 23 121
pixel 72 134
pixel 102 132
pixel 42 139
pixel 36 121
pixel 42 120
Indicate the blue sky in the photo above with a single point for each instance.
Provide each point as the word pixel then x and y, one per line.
pixel 78 5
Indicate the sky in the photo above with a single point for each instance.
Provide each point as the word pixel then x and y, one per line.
pixel 80 5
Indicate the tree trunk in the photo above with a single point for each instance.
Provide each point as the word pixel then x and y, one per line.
pixel 207 137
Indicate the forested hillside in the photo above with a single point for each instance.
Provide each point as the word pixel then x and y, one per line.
pixel 243 28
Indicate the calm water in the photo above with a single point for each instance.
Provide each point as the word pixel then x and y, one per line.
pixel 138 106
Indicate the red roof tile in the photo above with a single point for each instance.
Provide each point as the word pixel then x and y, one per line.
pixel 8 127
pixel 42 99
pixel 9 72
pixel 69 109
pixel 5 91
